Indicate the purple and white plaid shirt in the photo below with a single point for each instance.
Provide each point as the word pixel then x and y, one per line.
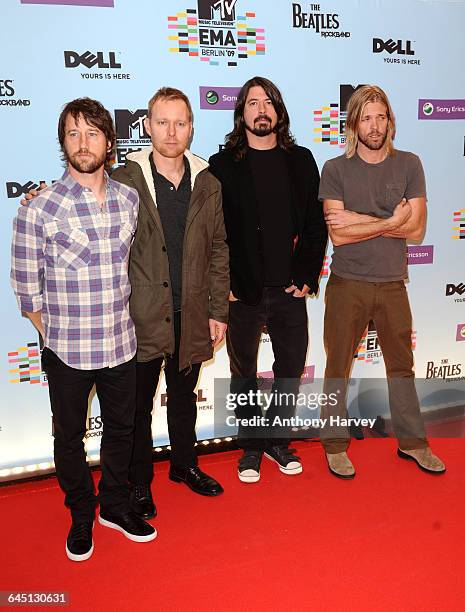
pixel 70 260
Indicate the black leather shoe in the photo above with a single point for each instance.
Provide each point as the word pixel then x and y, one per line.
pixel 79 544
pixel 196 480
pixel 129 524
pixel 142 501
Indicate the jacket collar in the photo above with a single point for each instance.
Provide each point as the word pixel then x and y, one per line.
pixel 197 164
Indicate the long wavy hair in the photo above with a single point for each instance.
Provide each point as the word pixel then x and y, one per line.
pixel 237 139
pixel 359 99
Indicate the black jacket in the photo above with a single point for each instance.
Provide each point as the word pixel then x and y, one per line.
pixel 242 226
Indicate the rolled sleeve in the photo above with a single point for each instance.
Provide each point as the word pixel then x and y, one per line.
pixel 27 259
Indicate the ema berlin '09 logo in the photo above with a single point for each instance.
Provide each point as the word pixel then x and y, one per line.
pixel 94 62
pixel 444 370
pixel 15 189
pixel 459 225
pixel 420 254
pixel 402 48
pixel 25 367
pixel 439 109
pixel 101 3
pixel 130 132
pixel 8 95
pixel 369 350
pixel 218 98
pixel 218 32
pixel 313 17
pixel 330 120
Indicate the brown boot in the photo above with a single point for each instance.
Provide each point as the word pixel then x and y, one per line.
pixel 340 465
pixel 425 459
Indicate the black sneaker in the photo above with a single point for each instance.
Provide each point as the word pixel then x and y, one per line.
pixel 132 526
pixel 79 544
pixel 285 458
pixel 142 501
pixel 249 466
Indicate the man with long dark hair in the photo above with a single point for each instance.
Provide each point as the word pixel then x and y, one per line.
pixel 277 239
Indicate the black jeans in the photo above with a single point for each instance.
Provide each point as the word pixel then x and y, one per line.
pixel 69 390
pixel 181 412
pixel 286 320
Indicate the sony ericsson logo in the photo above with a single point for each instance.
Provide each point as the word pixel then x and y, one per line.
pixel 99 59
pixel 218 98
pixel 428 108
pixel 211 97
pixel 442 109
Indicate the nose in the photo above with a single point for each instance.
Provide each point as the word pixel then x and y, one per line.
pixel 261 107
pixel 172 128
pixel 83 141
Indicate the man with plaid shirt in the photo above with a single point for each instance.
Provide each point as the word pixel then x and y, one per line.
pixel 69 272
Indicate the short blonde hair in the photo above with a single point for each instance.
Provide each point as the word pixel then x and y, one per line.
pixel 359 99
pixel 169 93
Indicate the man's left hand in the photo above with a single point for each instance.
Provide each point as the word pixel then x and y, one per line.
pixel 296 292
pixel 217 331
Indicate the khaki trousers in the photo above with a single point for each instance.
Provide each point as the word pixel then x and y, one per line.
pixel 349 306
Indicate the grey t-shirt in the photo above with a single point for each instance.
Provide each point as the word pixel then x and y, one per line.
pixel 372 189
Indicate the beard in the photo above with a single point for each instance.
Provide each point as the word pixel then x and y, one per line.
pixel 85 166
pixel 372 144
pixel 260 128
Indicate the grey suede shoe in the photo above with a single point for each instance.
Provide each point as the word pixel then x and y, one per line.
pixel 340 465
pixel 425 459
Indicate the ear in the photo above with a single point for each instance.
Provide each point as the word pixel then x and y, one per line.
pixel 147 126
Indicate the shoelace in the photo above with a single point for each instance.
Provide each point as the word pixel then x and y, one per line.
pixel 287 453
pixel 82 531
pixel 250 460
pixel 141 491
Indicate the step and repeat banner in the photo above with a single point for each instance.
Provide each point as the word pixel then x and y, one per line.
pixel 121 51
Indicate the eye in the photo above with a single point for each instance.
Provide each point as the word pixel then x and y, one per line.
pixel 161 122
pixel 181 124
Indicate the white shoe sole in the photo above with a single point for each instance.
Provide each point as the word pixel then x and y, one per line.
pixel 285 470
pixel 248 477
pixel 130 536
pixel 83 557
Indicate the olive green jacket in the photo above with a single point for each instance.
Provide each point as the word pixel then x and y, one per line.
pixel 205 267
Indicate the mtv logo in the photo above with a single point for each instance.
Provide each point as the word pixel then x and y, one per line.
pixel 130 125
pixel 222 10
pixel 345 93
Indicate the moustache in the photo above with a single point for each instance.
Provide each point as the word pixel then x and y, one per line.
pixel 263 118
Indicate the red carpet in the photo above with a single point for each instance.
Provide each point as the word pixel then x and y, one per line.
pixel 392 539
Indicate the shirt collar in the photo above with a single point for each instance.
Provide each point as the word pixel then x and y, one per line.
pixel 75 188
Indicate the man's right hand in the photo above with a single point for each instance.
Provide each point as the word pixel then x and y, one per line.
pixel 402 213
pixel 32 193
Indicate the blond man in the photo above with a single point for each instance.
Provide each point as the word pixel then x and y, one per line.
pixel 374 200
